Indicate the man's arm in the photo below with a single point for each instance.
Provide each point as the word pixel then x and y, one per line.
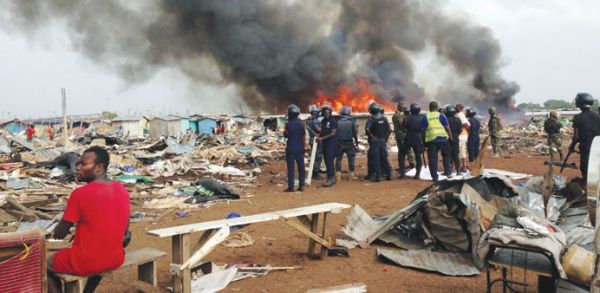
pixel 446 125
pixel 62 229
pixel 355 133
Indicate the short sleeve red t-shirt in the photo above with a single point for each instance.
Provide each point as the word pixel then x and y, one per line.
pixel 101 213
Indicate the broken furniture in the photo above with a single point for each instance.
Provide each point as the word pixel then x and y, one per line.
pixel 144 259
pixel 217 231
pixel 529 260
pixel 23 261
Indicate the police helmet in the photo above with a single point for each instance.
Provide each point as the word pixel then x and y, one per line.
pixel 415 108
pixel 373 108
pixel 584 101
pixel 450 110
pixel 314 109
pixel 346 111
pixel 380 108
pixel 471 112
pixel 293 111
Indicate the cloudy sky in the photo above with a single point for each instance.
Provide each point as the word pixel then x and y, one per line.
pixel 550 48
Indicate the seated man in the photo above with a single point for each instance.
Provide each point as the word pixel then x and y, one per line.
pixel 100 211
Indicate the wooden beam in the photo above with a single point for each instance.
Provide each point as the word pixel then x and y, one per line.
pixel 270 216
pixel 181 252
pixel 28 213
pixel 314 222
pixel 207 247
pixel 294 224
pixel 477 166
pixel 323 233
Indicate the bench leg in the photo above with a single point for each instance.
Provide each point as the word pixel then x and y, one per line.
pixel 323 232
pixel 181 253
pixel 147 273
pixel 313 228
pixel 75 286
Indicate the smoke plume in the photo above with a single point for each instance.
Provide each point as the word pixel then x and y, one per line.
pixel 278 52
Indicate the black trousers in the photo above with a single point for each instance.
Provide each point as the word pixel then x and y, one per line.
pixel 432 155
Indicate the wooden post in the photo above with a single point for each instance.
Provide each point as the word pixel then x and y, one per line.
pixel 313 228
pixel 181 253
pixel 147 273
pixel 64 113
pixel 323 232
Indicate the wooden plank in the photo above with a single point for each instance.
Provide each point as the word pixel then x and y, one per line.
pixel 294 224
pixel 206 248
pixel 5 217
pixel 304 219
pixel 28 213
pixel 314 221
pixel 147 273
pixel 181 252
pixel 311 164
pixel 323 233
pixel 142 255
pixel 291 213
pixel 477 166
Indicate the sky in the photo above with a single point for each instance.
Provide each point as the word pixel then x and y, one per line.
pixel 551 48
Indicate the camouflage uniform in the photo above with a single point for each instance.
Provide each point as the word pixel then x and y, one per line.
pixel 552 128
pixel 494 126
pixel 400 134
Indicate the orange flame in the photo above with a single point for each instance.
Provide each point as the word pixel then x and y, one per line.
pixel 358 99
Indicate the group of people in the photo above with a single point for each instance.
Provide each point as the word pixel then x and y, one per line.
pixel 30 132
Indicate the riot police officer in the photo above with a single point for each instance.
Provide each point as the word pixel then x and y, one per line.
pixel 456 127
pixel 347 140
pixel 378 130
pixel 586 125
pixel 414 138
pixel 294 149
pixel 327 137
pixel 314 124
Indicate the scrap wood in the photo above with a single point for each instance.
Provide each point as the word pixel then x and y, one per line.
pixel 21 211
pixel 357 287
pixel 477 166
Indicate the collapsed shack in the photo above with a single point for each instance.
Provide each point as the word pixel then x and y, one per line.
pixel 453 227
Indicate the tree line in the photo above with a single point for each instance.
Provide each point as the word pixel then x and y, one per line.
pixel 552 104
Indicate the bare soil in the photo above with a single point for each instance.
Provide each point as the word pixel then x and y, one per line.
pixel 278 245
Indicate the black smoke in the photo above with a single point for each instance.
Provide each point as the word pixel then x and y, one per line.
pixel 278 52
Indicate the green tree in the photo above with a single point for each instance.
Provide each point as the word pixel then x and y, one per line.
pixel 529 106
pixel 557 104
pixel 108 115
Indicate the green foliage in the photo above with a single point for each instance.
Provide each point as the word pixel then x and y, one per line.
pixel 529 106
pixel 108 115
pixel 558 104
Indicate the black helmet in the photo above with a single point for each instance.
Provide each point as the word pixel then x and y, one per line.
pixel 584 101
pixel 471 112
pixel 450 110
pixel 380 108
pixel 346 111
pixel 324 108
pixel 293 111
pixel 415 108
pixel 373 108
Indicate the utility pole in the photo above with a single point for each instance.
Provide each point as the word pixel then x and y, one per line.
pixel 64 113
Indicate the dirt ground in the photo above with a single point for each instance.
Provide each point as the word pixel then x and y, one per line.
pixel 278 245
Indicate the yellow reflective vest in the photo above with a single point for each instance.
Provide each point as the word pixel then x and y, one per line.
pixel 435 128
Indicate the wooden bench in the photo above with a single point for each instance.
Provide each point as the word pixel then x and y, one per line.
pixel 144 259
pixel 306 222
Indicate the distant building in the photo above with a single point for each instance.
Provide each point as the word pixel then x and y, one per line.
pixel 14 126
pixel 169 125
pixel 131 126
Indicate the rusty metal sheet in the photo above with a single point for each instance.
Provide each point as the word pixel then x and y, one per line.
pixel 447 263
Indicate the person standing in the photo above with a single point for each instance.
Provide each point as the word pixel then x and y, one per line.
pixel 456 126
pixel 347 140
pixel 494 126
pixel 552 128
pixel 414 138
pixel 99 210
pixel 294 148
pixel 314 126
pixel 586 126
pixel 50 132
pixel 378 130
pixel 473 141
pixel 30 132
pixel 437 133
pixel 327 137
pixel 463 137
pixel 400 135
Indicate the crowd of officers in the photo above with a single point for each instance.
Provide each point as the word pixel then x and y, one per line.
pixel 452 130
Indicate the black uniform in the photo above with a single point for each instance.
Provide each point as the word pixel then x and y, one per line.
pixel 379 130
pixel 347 136
pixel 588 125
pixel 455 128
pixel 413 140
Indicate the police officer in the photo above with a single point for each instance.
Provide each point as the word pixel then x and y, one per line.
pixel 294 149
pixel 494 126
pixel 327 137
pixel 314 124
pixel 437 133
pixel 456 127
pixel 586 125
pixel 414 138
pixel 347 140
pixel 400 133
pixel 552 128
pixel 378 130
pixel 473 140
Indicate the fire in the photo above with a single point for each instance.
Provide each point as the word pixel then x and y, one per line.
pixel 358 99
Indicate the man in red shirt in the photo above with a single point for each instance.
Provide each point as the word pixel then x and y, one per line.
pixel 30 132
pixel 100 210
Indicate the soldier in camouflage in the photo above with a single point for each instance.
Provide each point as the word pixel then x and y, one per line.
pixel 400 134
pixel 552 128
pixel 494 126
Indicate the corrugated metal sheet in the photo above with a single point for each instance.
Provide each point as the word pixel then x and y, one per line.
pixel 447 263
